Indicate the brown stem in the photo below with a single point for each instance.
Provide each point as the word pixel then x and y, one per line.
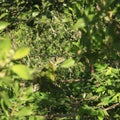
pixel 112 106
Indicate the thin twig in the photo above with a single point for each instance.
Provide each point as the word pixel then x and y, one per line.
pixel 112 106
pixel 70 80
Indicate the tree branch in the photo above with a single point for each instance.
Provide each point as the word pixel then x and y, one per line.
pixel 112 106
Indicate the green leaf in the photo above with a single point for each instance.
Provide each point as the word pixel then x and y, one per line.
pixel 6 99
pixel 3 107
pixel 22 71
pixel 16 88
pixel 79 24
pixel 68 63
pixel 3 25
pixel 101 89
pixel 36 117
pixel 100 117
pixel 105 112
pixel 20 53
pixel 90 110
pixel 34 14
pixel 91 17
pixel 50 75
pixel 29 90
pixel 40 118
pixel 115 98
pixel 5 44
pixel 77 117
pixel 106 100
pixel 3 15
pixel 24 112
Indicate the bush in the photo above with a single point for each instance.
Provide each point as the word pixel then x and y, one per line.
pixel 74 55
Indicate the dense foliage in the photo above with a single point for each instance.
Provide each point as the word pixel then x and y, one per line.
pixel 59 59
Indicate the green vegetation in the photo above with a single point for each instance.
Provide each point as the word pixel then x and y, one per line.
pixel 59 60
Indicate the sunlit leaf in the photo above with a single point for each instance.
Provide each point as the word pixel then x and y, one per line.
pixel 91 17
pixel 22 52
pixel 79 24
pixel 68 63
pixel 101 89
pixel 24 112
pixel 34 14
pixel 50 75
pixel 101 114
pixel 3 15
pixel 3 25
pixel 22 71
pixel 3 107
pixel 106 100
pixel 5 44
